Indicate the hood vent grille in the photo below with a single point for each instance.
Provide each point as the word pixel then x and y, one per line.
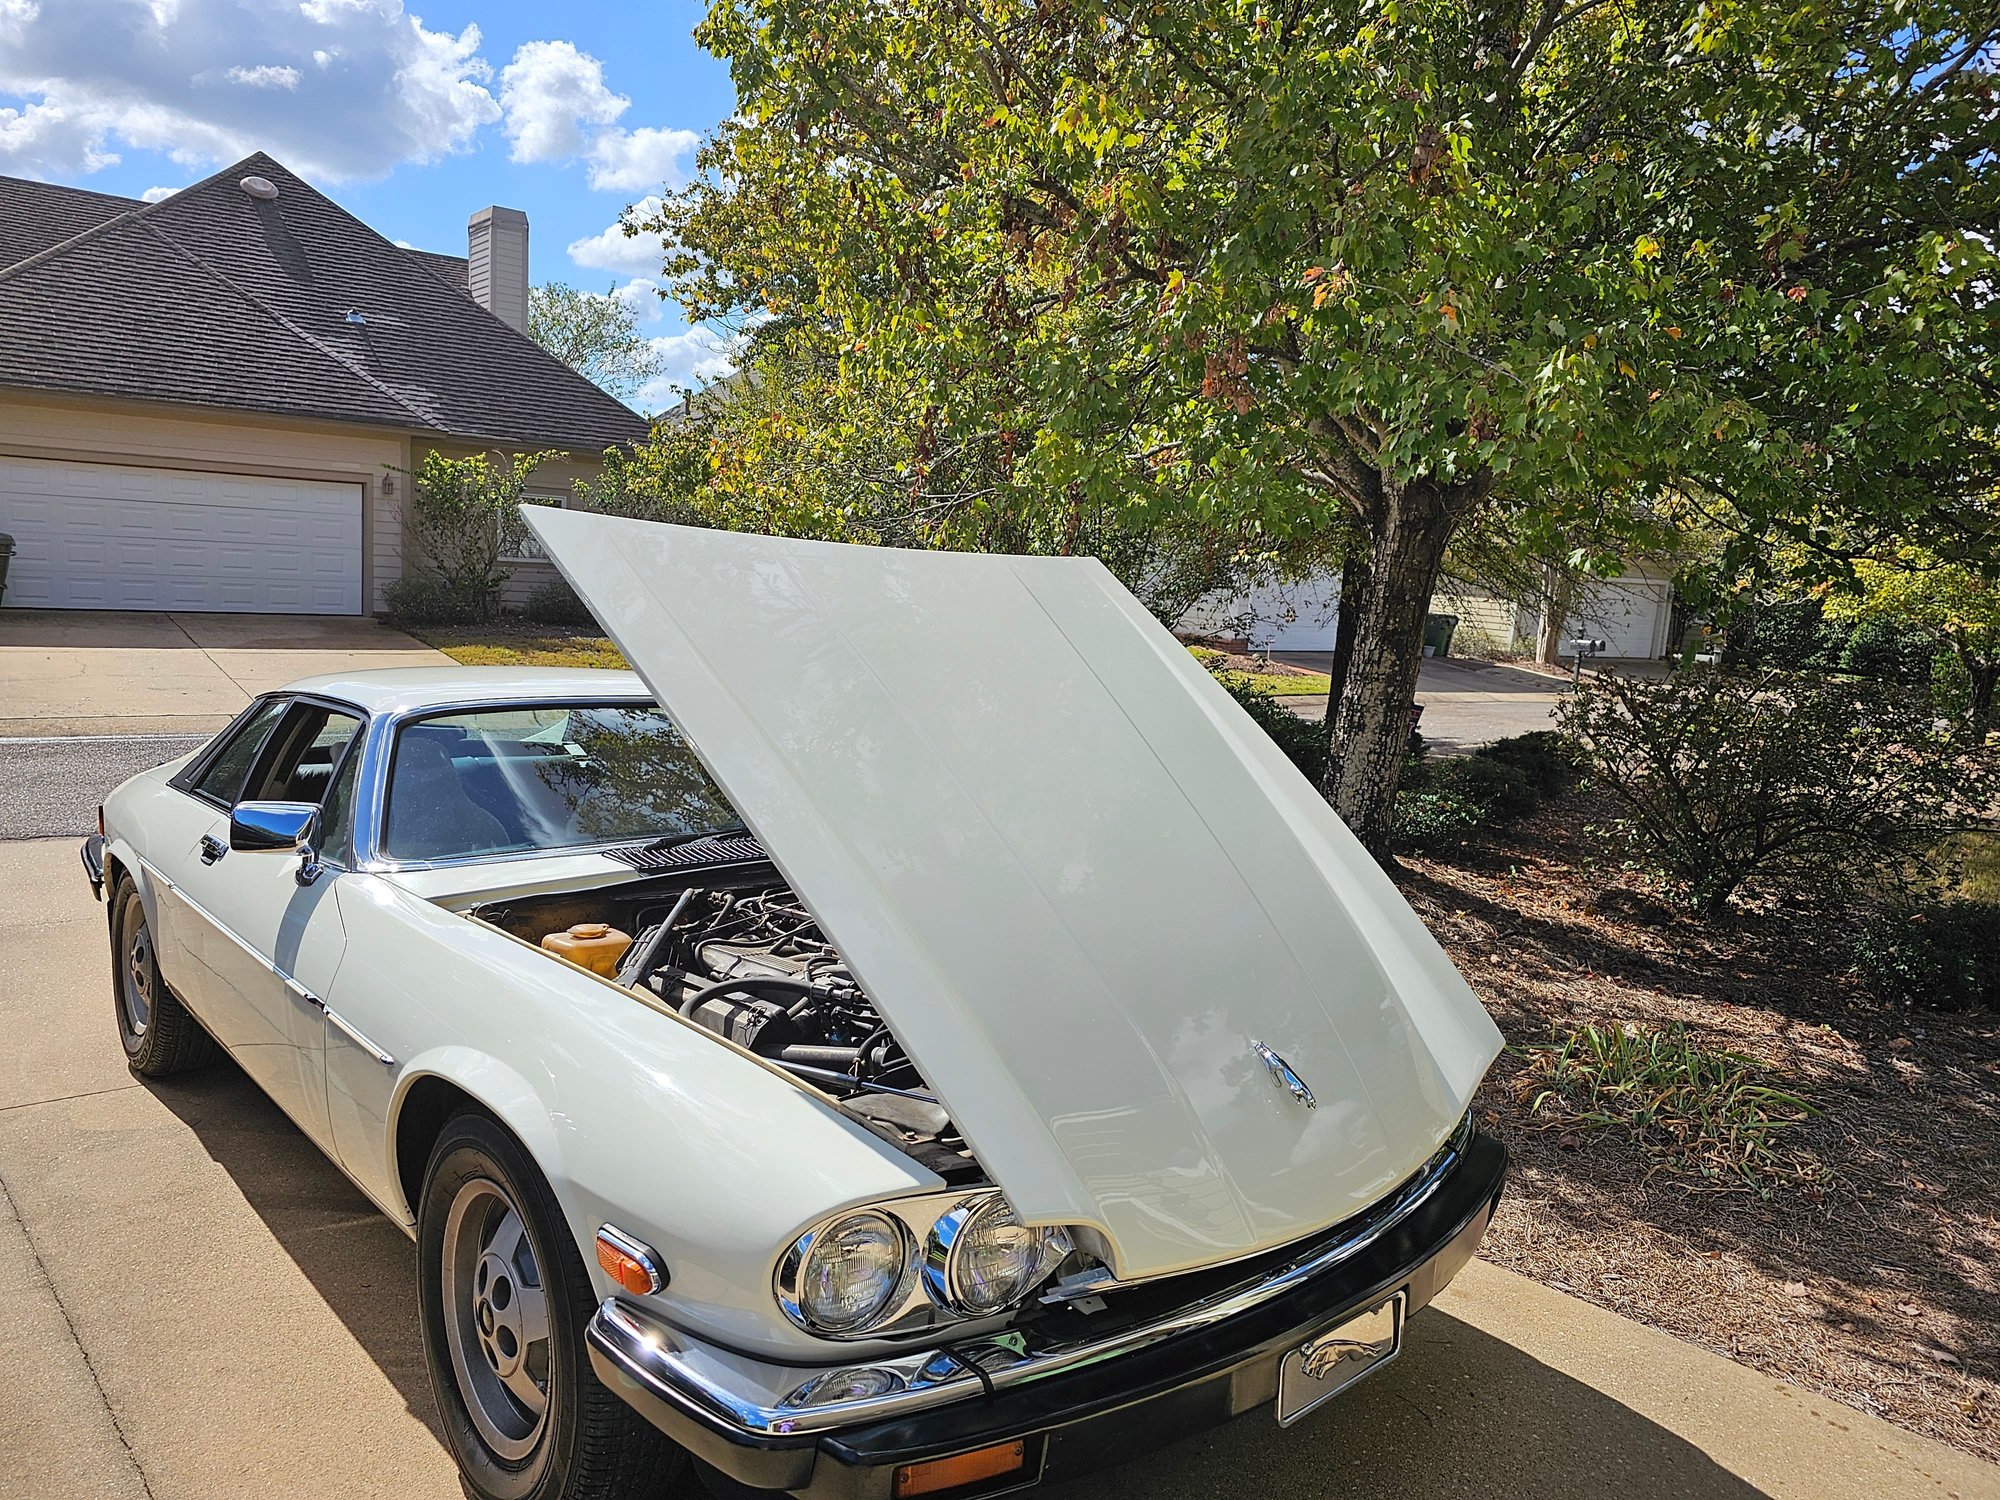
pixel 724 849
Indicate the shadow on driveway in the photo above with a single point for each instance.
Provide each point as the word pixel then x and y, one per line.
pixel 1459 1414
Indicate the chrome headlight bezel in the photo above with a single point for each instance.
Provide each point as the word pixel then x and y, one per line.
pixel 789 1284
pixel 924 1299
pixel 944 1271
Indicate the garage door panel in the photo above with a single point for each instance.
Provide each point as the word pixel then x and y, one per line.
pixel 105 536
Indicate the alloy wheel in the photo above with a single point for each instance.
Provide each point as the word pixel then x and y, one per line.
pixel 496 1319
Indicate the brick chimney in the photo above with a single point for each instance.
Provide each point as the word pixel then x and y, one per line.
pixel 496 263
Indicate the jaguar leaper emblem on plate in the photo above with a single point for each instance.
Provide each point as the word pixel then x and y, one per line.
pixel 1282 1072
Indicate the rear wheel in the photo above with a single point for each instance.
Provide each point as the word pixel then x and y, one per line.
pixel 159 1035
pixel 505 1300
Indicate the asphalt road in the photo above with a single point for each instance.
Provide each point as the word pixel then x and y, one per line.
pixel 196 1305
pixel 52 787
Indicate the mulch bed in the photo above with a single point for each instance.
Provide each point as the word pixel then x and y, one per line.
pixel 1880 1289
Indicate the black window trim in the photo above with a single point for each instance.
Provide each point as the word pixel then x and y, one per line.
pixel 189 776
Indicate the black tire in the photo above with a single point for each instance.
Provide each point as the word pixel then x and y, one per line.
pixel 585 1444
pixel 160 1036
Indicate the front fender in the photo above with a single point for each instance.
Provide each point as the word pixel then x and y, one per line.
pixel 495 1088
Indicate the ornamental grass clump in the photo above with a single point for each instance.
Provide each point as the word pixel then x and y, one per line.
pixel 1706 1118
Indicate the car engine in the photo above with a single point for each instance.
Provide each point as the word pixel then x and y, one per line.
pixel 752 965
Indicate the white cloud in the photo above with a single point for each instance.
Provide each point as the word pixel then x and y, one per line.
pixel 50 139
pixel 688 361
pixel 265 76
pixel 641 297
pixel 612 249
pixel 155 194
pixel 635 160
pixel 551 92
pixel 335 88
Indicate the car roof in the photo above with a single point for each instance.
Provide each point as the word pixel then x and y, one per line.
pixel 400 690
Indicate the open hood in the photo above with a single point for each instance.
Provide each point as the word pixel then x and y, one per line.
pixel 1081 886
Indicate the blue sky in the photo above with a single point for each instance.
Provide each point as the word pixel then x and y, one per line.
pixel 411 113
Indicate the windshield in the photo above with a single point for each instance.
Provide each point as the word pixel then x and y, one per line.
pixel 507 780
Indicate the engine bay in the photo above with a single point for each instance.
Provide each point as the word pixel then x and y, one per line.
pixel 745 960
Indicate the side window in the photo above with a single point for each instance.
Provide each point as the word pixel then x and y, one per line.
pixel 336 821
pixel 304 751
pixel 223 780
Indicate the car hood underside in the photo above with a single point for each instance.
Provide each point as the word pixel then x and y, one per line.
pixel 1156 982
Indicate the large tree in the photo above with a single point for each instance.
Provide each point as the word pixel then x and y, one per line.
pixel 596 334
pixel 1372 267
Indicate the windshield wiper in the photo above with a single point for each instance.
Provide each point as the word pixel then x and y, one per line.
pixel 675 840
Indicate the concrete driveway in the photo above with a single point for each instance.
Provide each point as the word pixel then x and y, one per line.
pixel 68 672
pixel 1467 703
pixel 194 1303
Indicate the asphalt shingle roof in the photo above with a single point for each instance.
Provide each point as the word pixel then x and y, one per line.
pixel 36 215
pixel 291 306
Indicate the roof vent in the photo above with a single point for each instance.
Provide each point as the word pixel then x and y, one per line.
pixel 354 316
pixel 261 188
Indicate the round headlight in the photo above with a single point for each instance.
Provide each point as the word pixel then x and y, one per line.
pixel 851 1273
pixel 990 1260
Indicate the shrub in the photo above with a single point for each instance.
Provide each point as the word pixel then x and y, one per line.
pixel 1889 653
pixel 1773 780
pixel 1545 758
pixel 1302 740
pixel 1935 953
pixel 1436 820
pixel 424 599
pixel 462 516
pixel 556 603
pixel 1500 791
pixel 1706 1116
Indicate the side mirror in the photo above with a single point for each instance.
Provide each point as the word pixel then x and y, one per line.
pixel 278 828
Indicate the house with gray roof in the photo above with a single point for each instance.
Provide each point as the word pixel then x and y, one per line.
pixel 205 402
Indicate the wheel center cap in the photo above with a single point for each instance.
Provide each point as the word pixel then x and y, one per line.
pixel 496 1309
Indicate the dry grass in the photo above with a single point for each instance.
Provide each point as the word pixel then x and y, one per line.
pixel 1876 1283
pixel 518 643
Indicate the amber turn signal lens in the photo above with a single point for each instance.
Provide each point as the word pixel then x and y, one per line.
pixel 628 1262
pixel 939 1474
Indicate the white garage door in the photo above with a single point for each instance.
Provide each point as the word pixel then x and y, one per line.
pixel 1628 614
pixel 106 536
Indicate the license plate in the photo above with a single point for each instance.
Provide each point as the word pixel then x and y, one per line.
pixel 1331 1362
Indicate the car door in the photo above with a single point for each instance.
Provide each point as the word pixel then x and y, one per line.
pixel 266 945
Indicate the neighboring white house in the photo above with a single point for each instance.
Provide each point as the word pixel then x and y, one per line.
pixel 1632 613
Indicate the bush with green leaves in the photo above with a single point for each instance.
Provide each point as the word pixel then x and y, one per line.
pixel 425 599
pixel 1436 819
pixel 1770 780
pixel 462 517
pixel 556 603
pixel 1548 761
pixel 1932 953
pixel 1302 740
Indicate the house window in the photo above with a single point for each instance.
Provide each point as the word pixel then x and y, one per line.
pixel 516 545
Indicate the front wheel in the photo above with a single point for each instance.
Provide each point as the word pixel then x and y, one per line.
pixel 505 1301
pixel 159 1035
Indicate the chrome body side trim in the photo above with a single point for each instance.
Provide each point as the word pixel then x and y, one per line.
pixel 759 1398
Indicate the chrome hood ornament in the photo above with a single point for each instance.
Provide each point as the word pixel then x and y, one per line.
pixel 1282 1071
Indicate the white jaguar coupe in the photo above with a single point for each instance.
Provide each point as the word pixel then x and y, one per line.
pixel 915 1038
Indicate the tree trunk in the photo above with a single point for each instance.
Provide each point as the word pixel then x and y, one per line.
pixel 1979 709
pixel 1372 720
pixel 1558 597
pixel 1346 625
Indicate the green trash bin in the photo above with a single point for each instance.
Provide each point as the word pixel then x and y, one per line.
pixel 6 556
pixel 1437 634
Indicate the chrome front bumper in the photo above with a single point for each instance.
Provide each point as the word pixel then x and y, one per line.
pixel 762 1422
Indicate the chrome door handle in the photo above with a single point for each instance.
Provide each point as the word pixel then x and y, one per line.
pixel 212 848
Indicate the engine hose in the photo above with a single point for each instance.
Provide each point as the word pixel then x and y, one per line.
pixel 750 985
pixel 838 1059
